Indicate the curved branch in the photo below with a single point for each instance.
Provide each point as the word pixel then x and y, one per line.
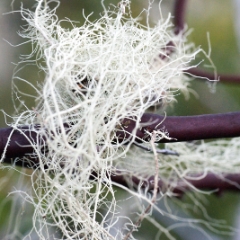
pixel 179 12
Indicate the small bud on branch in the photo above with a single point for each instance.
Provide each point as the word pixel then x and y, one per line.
pixel 179 13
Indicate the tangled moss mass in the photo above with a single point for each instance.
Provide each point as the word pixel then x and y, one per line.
pixel 97 75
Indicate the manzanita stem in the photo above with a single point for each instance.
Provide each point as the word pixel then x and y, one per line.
pixel 208 182
pixel 19 141
pixel 179 12
pixel 184 128
pixel 202 74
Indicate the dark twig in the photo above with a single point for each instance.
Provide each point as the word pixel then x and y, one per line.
pixel 179 15
pixel 209 182
pixel 179 22
pixel 227 78
pixel 19 143
pixel 185 128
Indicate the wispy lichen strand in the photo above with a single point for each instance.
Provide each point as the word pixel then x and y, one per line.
pixel 96 75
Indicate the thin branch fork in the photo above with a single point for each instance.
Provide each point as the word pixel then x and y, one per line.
pixel 179 12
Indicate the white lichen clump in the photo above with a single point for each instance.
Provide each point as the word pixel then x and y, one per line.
pixel 96 76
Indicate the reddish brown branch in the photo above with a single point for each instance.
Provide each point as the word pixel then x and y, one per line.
pixel 185 128
pixel 178 20
pixel 228 78
pixel 209 182
pixel 19 144
pixel 179 12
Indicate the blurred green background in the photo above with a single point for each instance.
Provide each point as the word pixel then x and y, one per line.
pixel 216 17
